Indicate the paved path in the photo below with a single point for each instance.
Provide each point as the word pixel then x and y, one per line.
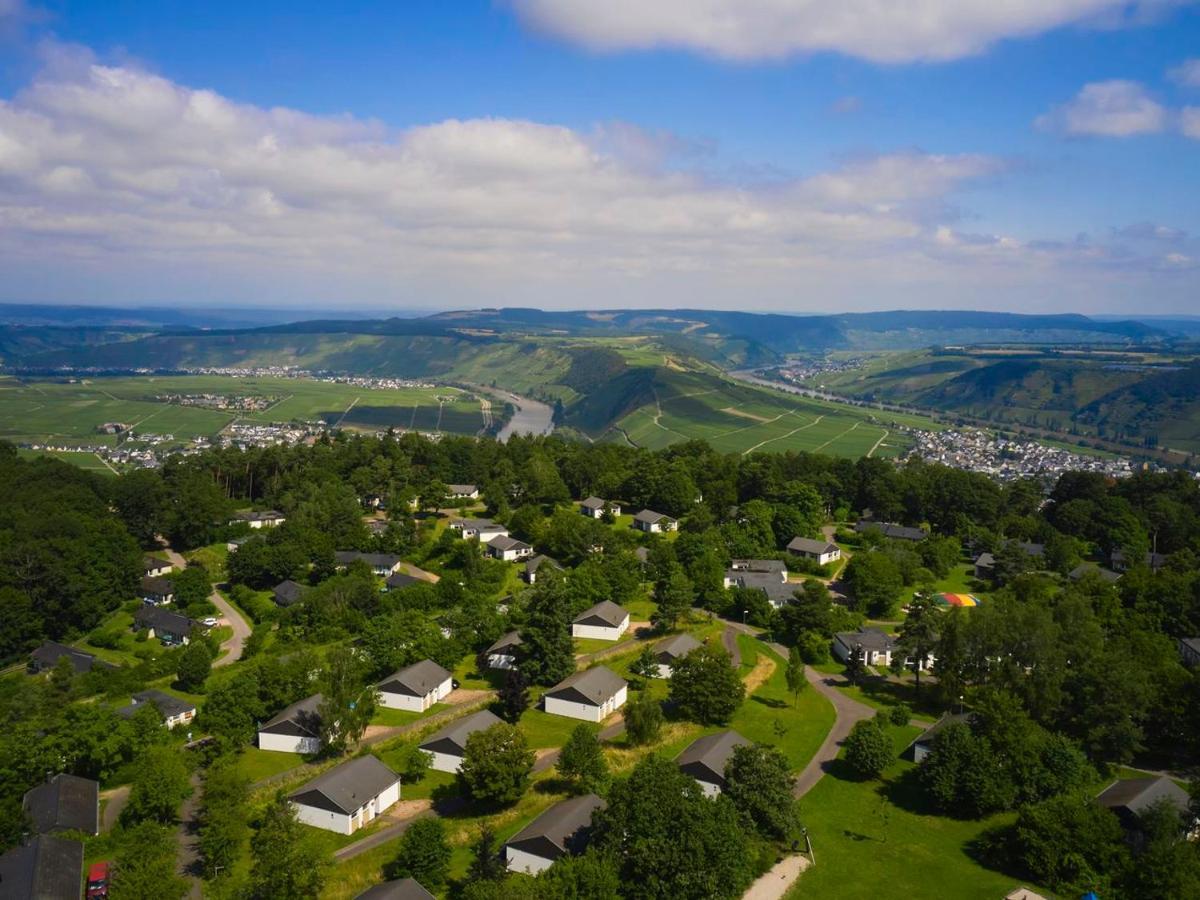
pixel 116 800
pixel 846 710
pixel 729 642
pixel 188 856
pixel 583 660
pixel 234 619
pixel 775 884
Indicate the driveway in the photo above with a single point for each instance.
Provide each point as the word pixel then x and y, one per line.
pixel 232 646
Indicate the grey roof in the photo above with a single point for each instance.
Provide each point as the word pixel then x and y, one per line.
pixel 592 503
pixel 1192 644
pixel 892 530
pixel 505 642
pixel 592 687
pixel 649 516
pixel 772 566
pixel 706 757
pixel 347 787
pixel 1081 571
pixel 302 718
pixel 47 655
pixel 536 562
pixel 504 542
pixel 1130 797
pixel 869 638
pixel 157 586
pixel 453 738
pixel 927 736
pixel 1154 560
pixel 1031 549
pixel 64 803
pixel 780 592
pixel 387 560
pixel 154 562
pixel 167 705
pixel 163 620
pixel 674 648
pixel 416 680
pixel 985 560
pixel 808 545
pixel 477 525
pixel 563 828
pixel 404 889
pixel 605 613
pixel 259 516
pixel 288 592
pixel 461 488
pixel 47 868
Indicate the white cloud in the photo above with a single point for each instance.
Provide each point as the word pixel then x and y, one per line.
pixel 1186 73
pixel 1189 122
pixel 118 184
pixel 1107 109
pixel 889 31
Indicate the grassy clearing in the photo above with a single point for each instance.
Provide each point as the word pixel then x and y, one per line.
pixel 255 764
pixel 877 839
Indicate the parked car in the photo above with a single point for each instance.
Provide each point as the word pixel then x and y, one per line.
pixel 97 881
pixel 210 622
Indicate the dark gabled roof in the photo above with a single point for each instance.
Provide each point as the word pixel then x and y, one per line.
pixel 706 757
pixel 808 545
pixel 1082 570
pixel 1130 797
pixel 563 828
pixel 47 655
pixel 398 580
pixel 1031 549
pixel 300 719
pixel 605 614
pixel 416 680
pixel 592 687
pixel 149 563
pixel 676 647
pixel 64 803
pixel 926 737
pixel 536 562
pixel 345 557
pixel 157 586
pixel 762 566
pixel 476 525
pixel 163 620
pixel 347 787
pixel 649 516
pixel 869 638
pixel 593 503
pixel 985 560
pixel 1192 644
pixel 505 642
pixel 505 542
pixel 288 592
pixel 404 889
pixel 167 705
pixel 259 516
pixel 47 868
pixel 453 738
pixel 892 530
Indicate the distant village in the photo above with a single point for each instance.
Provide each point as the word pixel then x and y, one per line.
pixel 1008 459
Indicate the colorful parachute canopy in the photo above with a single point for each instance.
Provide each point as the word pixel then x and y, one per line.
pixel 958 600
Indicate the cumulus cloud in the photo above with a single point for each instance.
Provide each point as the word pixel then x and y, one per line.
pixel 1113 108
pixel 1189 122
pixel 1186 73
pixel 122 182
pixel 891 31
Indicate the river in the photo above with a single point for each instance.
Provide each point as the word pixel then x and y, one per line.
pixel 531 417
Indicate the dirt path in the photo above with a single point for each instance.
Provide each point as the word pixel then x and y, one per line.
pixel 729 642
pixel 882 438
pixel 764 668
pixel 776 883
pixel 583 660
pixel 188 835
pixel 782 436
pixel 232 646
pixel 116 800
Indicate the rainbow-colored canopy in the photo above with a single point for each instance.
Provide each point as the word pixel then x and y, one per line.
pixel 958 600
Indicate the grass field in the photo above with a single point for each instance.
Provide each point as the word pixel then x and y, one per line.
pixel 68 414
pixel 879 839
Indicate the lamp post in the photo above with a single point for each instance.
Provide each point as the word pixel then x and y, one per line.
pixel 808 844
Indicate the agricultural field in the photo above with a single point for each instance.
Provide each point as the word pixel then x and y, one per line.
pixel 737 418
pixel 70 413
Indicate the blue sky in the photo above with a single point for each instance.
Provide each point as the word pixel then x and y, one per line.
pixel 749 154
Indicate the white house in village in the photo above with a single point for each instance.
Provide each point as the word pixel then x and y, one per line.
pixel 447 747
pixel 561 830
pixel 593 507
pixel 415 688
pixel 295 728
pixel 670 651
pixel 508 549
pixel 483 530
pixel 706 757
pixel 820 552
pixel 462 492
pixel 347 797
pixel 591 695
pixel 606 621
pixel 653 522
pixel 503 653
pixel 267 518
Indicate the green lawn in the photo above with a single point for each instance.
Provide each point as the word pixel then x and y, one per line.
pixel 255 764
pixel 544 730
pixel 878 839
pixel 805 722
pixel 396 717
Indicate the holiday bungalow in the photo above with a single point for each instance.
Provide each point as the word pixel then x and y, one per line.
pixel 157 591
pixel 462 492
pixel 416 687
pixel 561 830
pixel 821 552
pixel 382 564
pixel 295 728
pixel 267 518
pixel 404 889
pixel 508 549
pixel 347 797
pixel 155 567
pixel 45 868
pixel 483 530
pixel 593 507
pixel 653 522
pixel 534 563
pixel 606 621
pixel 503 653
pixel 287 593
pixel 64 803
pixel 591 695
pixel 706 757
pixel 447 747
pixel 173 710
pixel 47 656
pixel 667 653
pixel 891 530
pixel 169 627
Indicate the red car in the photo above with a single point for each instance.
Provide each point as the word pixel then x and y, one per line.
pixel 97 882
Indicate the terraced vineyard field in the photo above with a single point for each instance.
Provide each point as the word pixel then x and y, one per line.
pixel 70 413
